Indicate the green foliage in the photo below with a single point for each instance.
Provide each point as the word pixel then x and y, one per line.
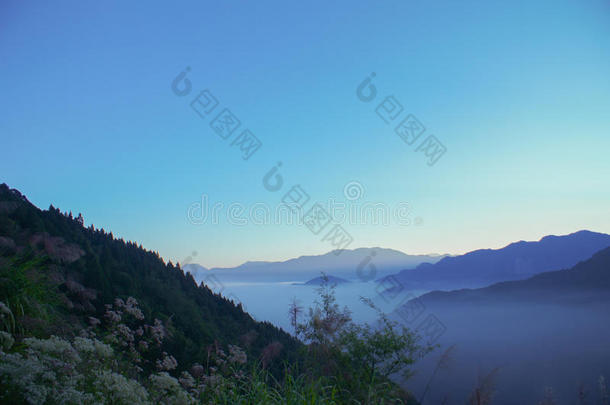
pixel 91 268
pixel 103 365
pixel 357 360
pixel 383 350
pixel 27 291
pixel 154 336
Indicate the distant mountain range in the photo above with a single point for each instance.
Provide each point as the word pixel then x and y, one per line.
pixel 357 264
pixel 550 329
pixel 587 281
pixel 516 261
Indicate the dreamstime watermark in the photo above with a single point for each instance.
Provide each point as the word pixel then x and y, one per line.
pixel 225 123
pixel 407 306
pixel 412 311
pixel 352 211
pixel 204 212
pixel 316 218
pixel 326 221
pixel 353 191
pixel 409 129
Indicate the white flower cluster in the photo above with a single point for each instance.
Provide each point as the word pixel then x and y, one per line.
pixel 165 389
pixel 56 370
pixel 125 334
pixel 157 331
pixel 130 306
pixel 115 388
pixel 52 370
pixel 167 362
pixel 236 355
pixel 126 329
pixel 55 347
pixel 86 370
pixel 111 315
pixel 92 347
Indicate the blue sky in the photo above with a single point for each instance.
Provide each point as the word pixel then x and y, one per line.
pixel 518 92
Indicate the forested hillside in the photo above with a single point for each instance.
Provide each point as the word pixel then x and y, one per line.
pixel 86 318
pixel 84 269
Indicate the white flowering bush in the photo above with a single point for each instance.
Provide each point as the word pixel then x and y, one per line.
pixel 165 389
pixel 52 370
pixel 126 329
pixel 83 371
pixel 167 362
pixel 86 370
pixel 224 380
pixel 114 388
pixel 120 360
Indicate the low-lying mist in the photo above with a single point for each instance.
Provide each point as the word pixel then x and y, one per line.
pixel 530 346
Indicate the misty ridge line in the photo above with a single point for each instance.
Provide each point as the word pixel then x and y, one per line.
pixel 367 255
pixel 394 289
pixel 191 259
pixel 361 264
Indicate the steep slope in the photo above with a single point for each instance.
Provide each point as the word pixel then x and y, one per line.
pixel 87 268
pixel 516 261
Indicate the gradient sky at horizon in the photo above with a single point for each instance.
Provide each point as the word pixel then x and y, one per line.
pixel 518 92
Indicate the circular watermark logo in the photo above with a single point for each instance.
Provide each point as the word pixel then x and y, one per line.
pixel 353 190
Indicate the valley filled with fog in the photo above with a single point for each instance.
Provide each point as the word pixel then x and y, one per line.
pixel 525 347
pixel 270 301
pixel 544 329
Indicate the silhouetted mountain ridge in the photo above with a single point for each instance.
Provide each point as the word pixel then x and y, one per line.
pixel 516 261
pixel 303 268
pixel 588 280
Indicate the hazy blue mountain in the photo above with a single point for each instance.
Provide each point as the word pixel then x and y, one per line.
pixel 362 263
pixel 586 281
pixel 332 280
pixel 550 330
pixel 516 261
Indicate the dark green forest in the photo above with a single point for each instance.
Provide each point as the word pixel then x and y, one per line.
pixel 88 262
